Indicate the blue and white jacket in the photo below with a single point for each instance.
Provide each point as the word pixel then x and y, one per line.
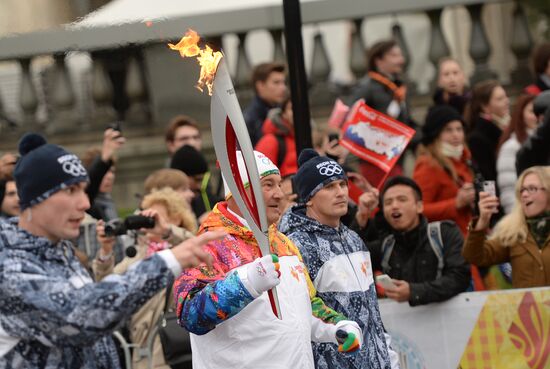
pixel 52 315
pixel 340 268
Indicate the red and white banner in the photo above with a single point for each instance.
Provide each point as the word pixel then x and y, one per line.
pixel 376 137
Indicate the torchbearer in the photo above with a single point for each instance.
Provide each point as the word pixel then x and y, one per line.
pixel 227 308
pixel 228 128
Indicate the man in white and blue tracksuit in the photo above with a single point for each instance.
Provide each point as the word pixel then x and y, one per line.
pixel 52 315
pixel 337 260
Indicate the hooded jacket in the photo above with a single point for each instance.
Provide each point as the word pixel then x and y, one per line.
pixel 340 266
pixel 275 126
pixel 230 328
pixel 52 315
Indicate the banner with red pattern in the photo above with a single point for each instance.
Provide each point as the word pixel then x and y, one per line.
pixel 507 329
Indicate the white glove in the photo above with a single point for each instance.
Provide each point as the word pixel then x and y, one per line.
pixel 261 275
pixel 349 336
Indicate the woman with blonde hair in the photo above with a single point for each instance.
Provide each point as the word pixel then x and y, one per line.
pixel 178 212
pixel 171 178
pixel 174 222
pixel 451 85
pixel 521 237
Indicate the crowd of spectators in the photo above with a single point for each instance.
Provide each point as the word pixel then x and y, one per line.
pixel 477 204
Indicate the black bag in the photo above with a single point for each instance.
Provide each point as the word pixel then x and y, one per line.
pixel 175 340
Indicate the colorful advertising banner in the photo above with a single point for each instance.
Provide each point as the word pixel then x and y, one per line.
pixel 479 330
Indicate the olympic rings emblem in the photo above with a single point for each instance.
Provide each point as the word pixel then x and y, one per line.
pixel 261 270
pixel 74 168
pixel 330 170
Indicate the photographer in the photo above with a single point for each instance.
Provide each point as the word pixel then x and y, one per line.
pixel 52 315
pixel 521 237
pixel 113 140
pixel 169 212
pixel 100 165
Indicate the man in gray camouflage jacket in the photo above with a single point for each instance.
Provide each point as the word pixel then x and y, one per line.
pixel 337 260
pixel 52 315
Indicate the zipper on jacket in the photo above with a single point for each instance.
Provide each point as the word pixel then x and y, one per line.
pixel 349 259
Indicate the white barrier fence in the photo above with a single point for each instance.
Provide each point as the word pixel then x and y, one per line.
pixel 497 329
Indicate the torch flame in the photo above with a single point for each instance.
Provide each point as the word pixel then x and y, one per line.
pixel 207 59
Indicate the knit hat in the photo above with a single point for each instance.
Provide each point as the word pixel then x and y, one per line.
pixel 436 120
pixel 189 161
pixel 314 173
pixel 44 169
pixel 263 163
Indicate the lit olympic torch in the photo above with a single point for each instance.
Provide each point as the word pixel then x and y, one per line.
pixel 228 130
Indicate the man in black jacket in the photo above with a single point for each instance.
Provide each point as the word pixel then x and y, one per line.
pixel 423 259
pixel 268 80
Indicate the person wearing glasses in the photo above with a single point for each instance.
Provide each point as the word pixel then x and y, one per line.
pixel 521 237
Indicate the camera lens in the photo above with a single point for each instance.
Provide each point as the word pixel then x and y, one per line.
pixel 131 251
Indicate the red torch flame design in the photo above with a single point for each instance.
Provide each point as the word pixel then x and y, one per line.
pixel 531 334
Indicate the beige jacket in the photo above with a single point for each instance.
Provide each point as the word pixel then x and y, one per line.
pixel 145 320
pixel 530 265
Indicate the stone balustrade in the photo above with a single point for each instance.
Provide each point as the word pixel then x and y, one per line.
pixel 126 72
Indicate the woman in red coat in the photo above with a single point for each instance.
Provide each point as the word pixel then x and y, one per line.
pixel 443 170
pixel 277 142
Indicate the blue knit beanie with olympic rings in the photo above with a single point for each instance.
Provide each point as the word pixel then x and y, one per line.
pixel 314 173
pixel 43 169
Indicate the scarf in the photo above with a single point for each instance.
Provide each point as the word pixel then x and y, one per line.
pixel 221 218
pixel 539 226
pixel 281 125
pixel 154 247
pixel 450 151
pixel 399 92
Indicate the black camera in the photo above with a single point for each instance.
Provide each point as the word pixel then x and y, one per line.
pixel 116 126
pixel 333 137
pixel 117 227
